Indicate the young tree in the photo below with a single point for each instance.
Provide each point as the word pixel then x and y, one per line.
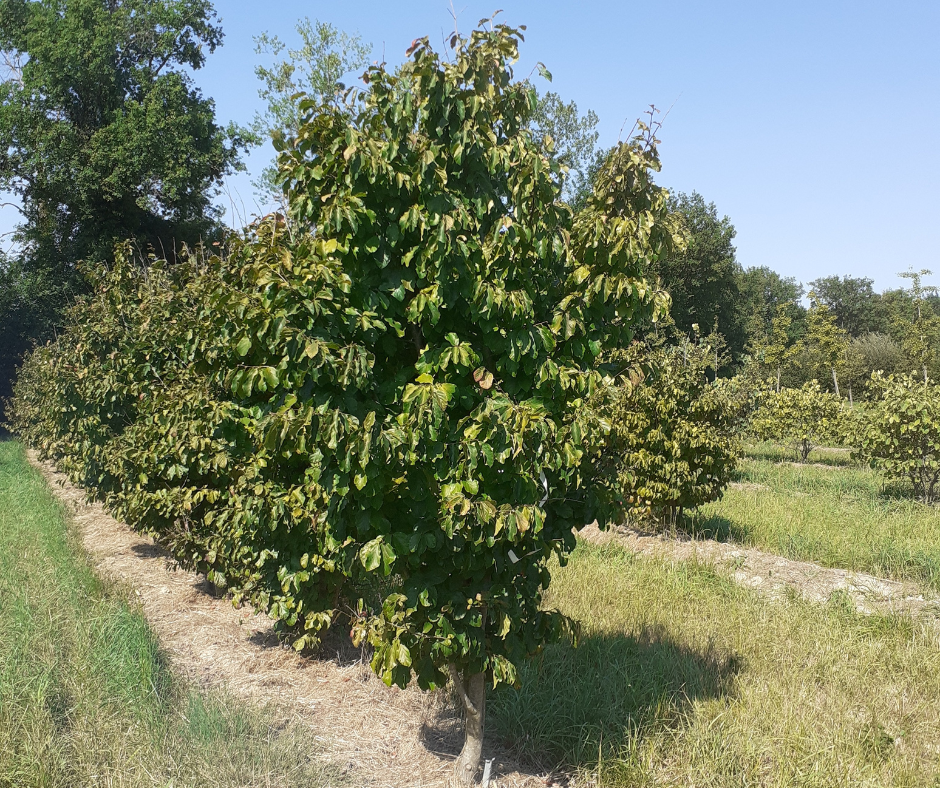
pixel 801 418
pixel 920 336
pixel 315 70
pixel 825 338
pixel 776 349
pixel 390 386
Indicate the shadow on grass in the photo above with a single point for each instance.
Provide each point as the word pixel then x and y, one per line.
pixel 604 696
pixel 825 456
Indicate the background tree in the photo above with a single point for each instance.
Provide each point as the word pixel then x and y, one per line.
pixel 574 143
pixel 702 279
pixel 920 334
pixel 825 340
pixel 857 308
pixel 103 137
pixel 315 69
pixel 776 349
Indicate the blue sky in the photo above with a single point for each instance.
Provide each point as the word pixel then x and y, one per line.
pixel 813 125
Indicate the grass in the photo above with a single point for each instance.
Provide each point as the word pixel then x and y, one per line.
pixel 830 511
pixel 684 679
pixel 87 698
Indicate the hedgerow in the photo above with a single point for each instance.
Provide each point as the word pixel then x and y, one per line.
pixel 387 383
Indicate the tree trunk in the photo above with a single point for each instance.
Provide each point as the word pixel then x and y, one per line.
pixel 472 691
pixel 835 381
pixel 778 380
pixel 851 403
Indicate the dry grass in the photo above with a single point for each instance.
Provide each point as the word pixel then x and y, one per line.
pixel 380 736
pixel 684 678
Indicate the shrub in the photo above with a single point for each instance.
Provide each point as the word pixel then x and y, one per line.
pixel 901 436
pixel 671 444
pixel 800 418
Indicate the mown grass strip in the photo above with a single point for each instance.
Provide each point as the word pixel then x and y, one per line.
pixel 684 678
pixel 832 512
pixel 87 698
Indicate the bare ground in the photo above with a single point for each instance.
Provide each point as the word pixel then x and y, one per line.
pixel 378 736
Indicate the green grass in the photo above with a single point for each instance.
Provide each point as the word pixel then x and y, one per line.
pixel 87 698
pixel 831 511
pixel 684 679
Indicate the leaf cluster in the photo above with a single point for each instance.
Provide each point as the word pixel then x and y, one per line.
pixel 801 418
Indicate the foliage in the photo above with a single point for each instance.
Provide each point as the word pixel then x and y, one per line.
pixel 763 293
pixel 857 308
pixel 800 418
pixel 671 444
pixel 920 336
pixel 573 143
pixel 394 397
pixel 775 350
pixel 315 70
pixel 702 278
pixel 901 437
pixel 826 342
pixel 103 134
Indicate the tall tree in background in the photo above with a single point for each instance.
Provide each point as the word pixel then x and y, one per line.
pixel 703 278
pixel 858 309
pixel 103 137
pixel 314 70
pixel 776 349
pixel 574 143
pixel 763 293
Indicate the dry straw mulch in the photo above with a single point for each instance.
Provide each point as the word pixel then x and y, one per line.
pixel 377 736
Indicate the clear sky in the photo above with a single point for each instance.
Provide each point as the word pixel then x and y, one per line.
pixel 813 124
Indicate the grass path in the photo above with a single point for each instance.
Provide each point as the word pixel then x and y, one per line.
pixel 683 677
pixel 830 511
pixel 88 696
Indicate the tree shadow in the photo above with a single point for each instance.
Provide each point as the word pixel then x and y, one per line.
pixel 602 696
pixel 713 526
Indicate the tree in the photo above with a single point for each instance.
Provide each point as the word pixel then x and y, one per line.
pixel 315 70
pixel 825 338
pixel 802 418
pixel 776 349
pixel 573 143
pixel 671 445
pixel 901 436
pixel 104 136
pixel 857 308
pixel 702 279
pixel 388 390
pixel 920 336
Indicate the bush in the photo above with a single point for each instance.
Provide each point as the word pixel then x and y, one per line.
pixel 671 444
pixel 800 418
pixel 901 436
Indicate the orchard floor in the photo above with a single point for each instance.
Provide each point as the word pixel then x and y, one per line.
pixel 701 662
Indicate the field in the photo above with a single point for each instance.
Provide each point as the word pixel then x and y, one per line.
pixel 681 677
pixel 87 698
